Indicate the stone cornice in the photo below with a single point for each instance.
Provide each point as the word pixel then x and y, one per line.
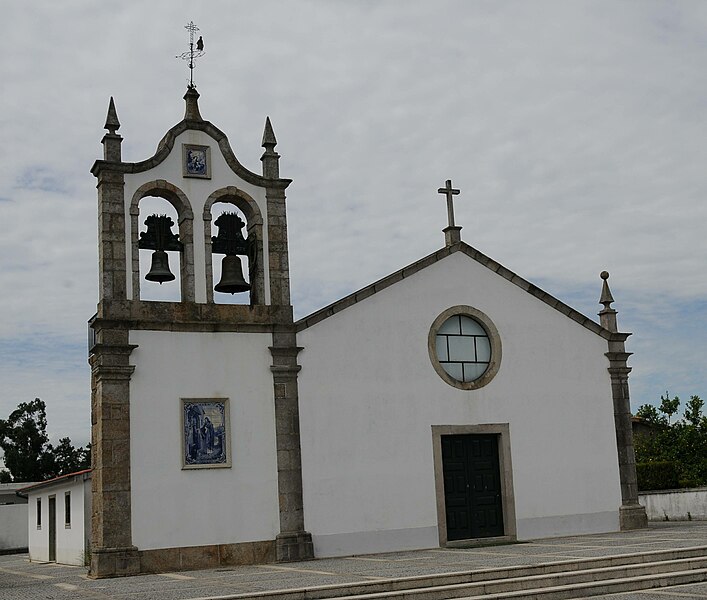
pixel 190 316
pixel 482 259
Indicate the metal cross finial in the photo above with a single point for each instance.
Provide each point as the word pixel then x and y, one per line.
pixel 449 191
pixel 194 52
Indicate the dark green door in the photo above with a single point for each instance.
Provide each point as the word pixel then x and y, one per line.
pixel 472 486
pixel 52 528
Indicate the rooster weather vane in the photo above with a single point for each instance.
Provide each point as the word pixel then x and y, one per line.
pixel 195 50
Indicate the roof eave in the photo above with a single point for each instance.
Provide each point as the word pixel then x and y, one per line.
pixel 429 260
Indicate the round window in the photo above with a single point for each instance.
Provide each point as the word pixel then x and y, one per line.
pixel 464 347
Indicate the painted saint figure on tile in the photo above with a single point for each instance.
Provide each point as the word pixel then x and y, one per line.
pixel 205 433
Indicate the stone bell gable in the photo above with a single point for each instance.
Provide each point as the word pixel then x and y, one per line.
pixel 193 169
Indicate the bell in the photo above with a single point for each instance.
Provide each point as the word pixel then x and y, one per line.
pixel 160 268
pixel 232 280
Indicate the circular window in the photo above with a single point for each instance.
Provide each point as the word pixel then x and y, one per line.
pixel 464 347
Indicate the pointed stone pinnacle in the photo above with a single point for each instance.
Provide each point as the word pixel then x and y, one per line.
pixel 269 140
pixel 112 123
pixel 606 297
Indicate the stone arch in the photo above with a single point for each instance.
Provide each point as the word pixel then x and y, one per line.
pixel 185 222
pixel 254 226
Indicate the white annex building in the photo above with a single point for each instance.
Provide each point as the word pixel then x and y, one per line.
pixel 59 518
pixel 450 401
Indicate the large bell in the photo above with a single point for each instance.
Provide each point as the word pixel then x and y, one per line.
pixel 232 280
pixel 160 268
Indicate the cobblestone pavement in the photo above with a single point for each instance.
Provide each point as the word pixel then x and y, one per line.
pixel 24 580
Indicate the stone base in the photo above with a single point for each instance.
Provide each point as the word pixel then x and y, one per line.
pixel 292 546
pixel 206 557
pixel 114 562
pixel 632 516
pixel 121 562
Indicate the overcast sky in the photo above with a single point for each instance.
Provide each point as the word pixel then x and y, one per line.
pixel 576 131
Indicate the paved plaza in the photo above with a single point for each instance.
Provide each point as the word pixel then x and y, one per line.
pixel 24 580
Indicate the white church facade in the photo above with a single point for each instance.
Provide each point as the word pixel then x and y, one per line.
pixel 448 403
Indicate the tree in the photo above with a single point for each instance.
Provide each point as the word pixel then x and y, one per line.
pixel 682 443
pixel 669 407
pixel 28 454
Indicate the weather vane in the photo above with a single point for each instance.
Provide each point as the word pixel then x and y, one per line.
pixel 195 51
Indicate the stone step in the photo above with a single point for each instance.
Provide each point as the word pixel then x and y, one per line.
pixel 597 577
pixel 582 577
pixel 580 591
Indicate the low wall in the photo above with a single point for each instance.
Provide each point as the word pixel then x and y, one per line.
pixel 675 505
pixel 14 534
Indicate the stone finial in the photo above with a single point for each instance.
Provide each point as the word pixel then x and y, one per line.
pixel 112 123
pixel 111 141
pixel 192 109
pixel 270 158
pixel 269 141
pixel 606 297
pixel 607 314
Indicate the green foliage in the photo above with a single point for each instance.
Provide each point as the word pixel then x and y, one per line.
pixel 682 443
pixel 650 413
pixel 669 407
pixel 659 475
pixel 28 454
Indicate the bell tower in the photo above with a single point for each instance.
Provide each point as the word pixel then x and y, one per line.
pixel 195 419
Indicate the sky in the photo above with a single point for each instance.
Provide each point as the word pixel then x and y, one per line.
pixel 576 132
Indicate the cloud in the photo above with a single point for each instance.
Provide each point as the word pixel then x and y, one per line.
pixel 574 130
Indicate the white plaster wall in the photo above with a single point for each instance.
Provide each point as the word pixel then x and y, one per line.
pixel 197 191
pixel 172 507
pixel 38 537
pixel 369 396
pixel 675 505
pixel 13 526
pixel 70 540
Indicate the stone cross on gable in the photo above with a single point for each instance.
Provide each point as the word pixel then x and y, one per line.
pixel 451 232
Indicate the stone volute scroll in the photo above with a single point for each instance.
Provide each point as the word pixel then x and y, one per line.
pixel 631 514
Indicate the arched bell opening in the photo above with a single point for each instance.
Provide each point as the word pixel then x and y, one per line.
pixel 160 251
pixel 233 238
pixel 233 255
pixel 162 261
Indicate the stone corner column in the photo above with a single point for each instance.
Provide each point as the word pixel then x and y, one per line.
pixel 631 514
pixel 293 542
pixel 112 551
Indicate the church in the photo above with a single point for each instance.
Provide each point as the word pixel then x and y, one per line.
pixel 450 403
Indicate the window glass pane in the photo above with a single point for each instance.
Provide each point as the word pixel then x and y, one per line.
pixel 472 371
pixel 442 347
pixel 451 325
pixel 461 348
pixel 471 327
pixel 483 349
pixel 39 512
pixel 454 370
pixel 67 508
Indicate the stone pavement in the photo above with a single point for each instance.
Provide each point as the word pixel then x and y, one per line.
pixel 22 580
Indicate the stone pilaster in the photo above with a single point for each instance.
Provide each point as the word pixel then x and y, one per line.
pixel 111 232
pixel 631 514
pixel 293 542
pixel 112 552
pixel 277 246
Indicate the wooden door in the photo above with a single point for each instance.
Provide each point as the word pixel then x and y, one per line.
pixel 52 528
pixel 472 486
